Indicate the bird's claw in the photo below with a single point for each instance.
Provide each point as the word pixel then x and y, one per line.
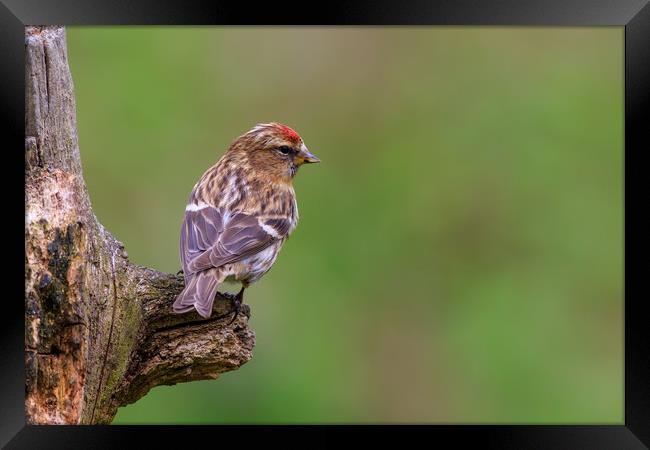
pixel 246 310
pixel 237 305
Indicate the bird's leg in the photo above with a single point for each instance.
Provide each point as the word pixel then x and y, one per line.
pixel 236 302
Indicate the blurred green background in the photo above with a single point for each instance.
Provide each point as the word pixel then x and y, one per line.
pixel 459 253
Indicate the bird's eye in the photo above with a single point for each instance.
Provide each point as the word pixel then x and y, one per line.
pixel 285 150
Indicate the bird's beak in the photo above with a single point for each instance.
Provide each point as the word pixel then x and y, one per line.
pixel 304 156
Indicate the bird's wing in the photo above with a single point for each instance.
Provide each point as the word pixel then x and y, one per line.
pixel 212 237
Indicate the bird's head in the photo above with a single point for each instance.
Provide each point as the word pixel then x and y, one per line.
pixel 273 150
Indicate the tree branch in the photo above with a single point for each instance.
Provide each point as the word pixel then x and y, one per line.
pixel 99 330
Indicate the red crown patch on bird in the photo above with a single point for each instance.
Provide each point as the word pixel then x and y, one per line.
pixel 275 128
pixel 289 133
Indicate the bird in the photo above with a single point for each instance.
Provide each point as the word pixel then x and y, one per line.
pixel 238 216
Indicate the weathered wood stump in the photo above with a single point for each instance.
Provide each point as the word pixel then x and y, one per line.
pixel 99 330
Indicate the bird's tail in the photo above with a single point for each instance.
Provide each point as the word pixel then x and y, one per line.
pixel 200 291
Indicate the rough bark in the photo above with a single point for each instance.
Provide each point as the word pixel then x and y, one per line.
pixel 99 330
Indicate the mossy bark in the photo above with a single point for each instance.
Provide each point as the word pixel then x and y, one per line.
pixel 99 330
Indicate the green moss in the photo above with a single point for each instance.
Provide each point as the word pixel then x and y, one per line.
pixel 125 332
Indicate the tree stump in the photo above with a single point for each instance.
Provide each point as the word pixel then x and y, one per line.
pixel 99 330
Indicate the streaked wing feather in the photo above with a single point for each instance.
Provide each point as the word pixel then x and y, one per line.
pixel 206 241
pixel 281 226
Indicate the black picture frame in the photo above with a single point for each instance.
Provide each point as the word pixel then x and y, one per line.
pixel 633 15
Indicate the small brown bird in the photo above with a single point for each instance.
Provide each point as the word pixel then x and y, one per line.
pixel 239 214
